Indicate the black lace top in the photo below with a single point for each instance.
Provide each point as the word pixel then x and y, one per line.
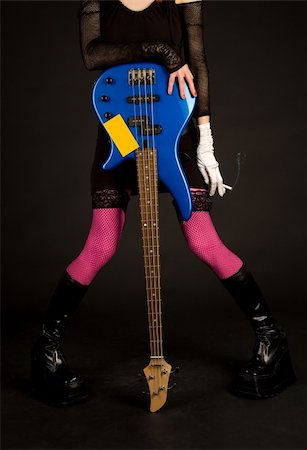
pixel 111 33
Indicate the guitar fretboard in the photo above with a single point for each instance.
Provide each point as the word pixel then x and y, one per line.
pixel 148 191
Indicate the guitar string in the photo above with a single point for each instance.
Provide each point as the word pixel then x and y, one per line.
pixel 150 245
pixel 144 216
pixel 146 229
pixel 153 187
pixel 153 279
pixel 139 158
pixel 152 112
pixel 151 234
pixel 144 219
pixel 151 253
pixel 134 109
pixel 155 246
pixel 157 256
pixel 145 207
pixel 157 220
pixel 152 156
pixel 157 233
pixel 151 337
pixel 156 229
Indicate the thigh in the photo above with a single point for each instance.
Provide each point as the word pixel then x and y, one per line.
pixel 187 154
pixel 122 178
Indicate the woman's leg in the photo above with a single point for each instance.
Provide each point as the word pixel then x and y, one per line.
pixel 270 368
pixel 100 246
pixel 204 241
pixel 51 376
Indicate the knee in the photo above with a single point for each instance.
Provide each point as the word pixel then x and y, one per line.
pixel 204 241
pixel 205 249
pixel 217 256
pixel 99 252
pixel 201 235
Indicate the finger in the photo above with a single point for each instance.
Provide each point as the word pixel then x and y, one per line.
pixel 171 82
pixel 189 71
pixel 204 174
pixel 191 86
pixel 190 82
pixel 181 87
pixel 212 189
pixel 213 184
pixel 221 189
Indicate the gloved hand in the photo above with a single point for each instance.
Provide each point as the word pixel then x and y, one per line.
pixel 207 164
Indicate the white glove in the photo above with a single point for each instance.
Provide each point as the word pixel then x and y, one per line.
pixel 207 164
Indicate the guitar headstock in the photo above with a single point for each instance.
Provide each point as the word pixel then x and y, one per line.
pixel 157 374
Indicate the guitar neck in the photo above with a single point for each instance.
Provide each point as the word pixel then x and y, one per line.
pixel 146 160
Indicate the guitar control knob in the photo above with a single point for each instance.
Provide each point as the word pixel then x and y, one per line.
pixel 107 115
pixel 104 98
pixel 109 80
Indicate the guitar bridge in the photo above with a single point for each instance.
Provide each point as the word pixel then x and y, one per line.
pixel 156 129
pixel 145 127
pixel 141 76
pixel 138 121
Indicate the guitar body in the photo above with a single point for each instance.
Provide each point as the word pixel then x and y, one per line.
pixel 164 119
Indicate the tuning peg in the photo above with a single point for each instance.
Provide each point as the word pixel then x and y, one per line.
pixel 172 386
pixel 145 393
pixel 176 369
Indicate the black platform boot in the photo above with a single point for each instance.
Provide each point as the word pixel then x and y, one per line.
pixel 51 378
pixel 269 370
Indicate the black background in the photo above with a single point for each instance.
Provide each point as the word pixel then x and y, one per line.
pixel 256 54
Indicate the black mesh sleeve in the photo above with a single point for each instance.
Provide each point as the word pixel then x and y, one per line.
pixel 99 55
pixel 192 16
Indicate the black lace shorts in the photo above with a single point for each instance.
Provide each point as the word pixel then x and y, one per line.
pixel 110 187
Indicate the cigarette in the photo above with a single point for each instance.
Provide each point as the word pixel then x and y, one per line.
pixel 227 187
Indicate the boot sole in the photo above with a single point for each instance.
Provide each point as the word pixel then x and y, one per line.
pixel 54 394
pixel 268 386
pixel 54 398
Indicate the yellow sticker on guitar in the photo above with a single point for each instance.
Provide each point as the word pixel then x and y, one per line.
pixel 121 135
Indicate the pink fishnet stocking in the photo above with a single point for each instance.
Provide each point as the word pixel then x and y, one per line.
pixel 100 246
pixel 203 240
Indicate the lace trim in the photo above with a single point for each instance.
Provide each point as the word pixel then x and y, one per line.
pixel 88 7
pixel 110 198
pixel 201 200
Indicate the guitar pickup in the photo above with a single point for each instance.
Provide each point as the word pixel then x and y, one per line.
pixel 137 99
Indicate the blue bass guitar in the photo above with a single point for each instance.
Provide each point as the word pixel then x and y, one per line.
pixel 145 123
pixel 138 93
